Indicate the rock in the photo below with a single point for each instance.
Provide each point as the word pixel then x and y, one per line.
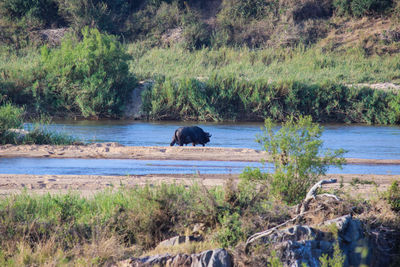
pixel 210 258
pixel 179 240
pixel 302 244
pixel 134 107
pixel 19 133
pixel 51 37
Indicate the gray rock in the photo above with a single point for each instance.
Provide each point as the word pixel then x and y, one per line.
pixel 176 240
pixel 19 133
pixel 209 258
pixel 300 244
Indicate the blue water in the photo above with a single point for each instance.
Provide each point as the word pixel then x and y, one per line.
pixel 42 166
pixel 361 141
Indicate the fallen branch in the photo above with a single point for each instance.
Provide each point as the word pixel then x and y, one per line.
pixel 312 194
pixel 271 230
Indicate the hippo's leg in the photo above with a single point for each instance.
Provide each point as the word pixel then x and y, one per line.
pixel 203 144
pixel 194 144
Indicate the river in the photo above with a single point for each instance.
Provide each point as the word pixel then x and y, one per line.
pixel 360 141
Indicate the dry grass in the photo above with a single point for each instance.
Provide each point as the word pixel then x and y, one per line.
pixel 373 35
pixel 184 248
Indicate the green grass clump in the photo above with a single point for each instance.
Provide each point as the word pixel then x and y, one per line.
pixel 11 129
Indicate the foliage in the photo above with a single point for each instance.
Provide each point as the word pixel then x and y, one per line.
pixel 337 260
pixel 359 8
pixel 231 231
pixel 392 196
pixel 11 132
pixel 247 9
pixel 230 98
pixel 88 78
pixel 196 34
pixel 10 117
pixel 39 133
pixel 295 151
pixel 31 12
pixel 106 15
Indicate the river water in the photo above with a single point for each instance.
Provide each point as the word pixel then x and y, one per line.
pixel 54 166
pixel 361 141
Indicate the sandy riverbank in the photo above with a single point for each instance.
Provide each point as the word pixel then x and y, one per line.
pixel 117 151
pixel 87 185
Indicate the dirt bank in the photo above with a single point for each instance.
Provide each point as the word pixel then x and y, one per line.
pixel 117 151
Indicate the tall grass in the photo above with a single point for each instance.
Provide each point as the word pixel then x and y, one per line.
pixel 220 98
pixel 231 84
pixel 311 65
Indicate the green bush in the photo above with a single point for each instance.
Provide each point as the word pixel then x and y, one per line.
pixel 32 12
pixel 337 259
pixel 10 117
pixel 196 33
pixel 392 196
pixel 247 9
pixel 295 151
pixel 231 231
pixel 106 15
pixel 359 8
pixel 89 78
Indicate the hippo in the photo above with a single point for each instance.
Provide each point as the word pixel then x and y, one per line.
pixel 191 134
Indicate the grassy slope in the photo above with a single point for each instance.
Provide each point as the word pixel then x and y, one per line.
pixel 300 64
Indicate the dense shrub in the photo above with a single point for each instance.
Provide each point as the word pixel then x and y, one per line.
pixel 32 13
pixel 359 8
pixel 10 117
pixel 89 78
pixel 296 153
pixel 392 196
pixel 247 9
pixel 106 15
pixel 196 34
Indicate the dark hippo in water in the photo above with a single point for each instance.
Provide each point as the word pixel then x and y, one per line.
pixel 191 134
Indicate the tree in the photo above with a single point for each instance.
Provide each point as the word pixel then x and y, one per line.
pixel 295 150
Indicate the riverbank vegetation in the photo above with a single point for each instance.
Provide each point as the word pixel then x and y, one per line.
pixel 12 131
pixel 111 226
pixel 210 60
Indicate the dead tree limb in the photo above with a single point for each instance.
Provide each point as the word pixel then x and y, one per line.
pixel 312 194
pixel 271 230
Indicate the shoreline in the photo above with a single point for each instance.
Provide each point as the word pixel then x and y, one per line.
pixel 118 151
pixel 88 185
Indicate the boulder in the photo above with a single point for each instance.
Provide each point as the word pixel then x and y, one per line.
pixel 176 240
pixel 302 244
pixel 210 258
